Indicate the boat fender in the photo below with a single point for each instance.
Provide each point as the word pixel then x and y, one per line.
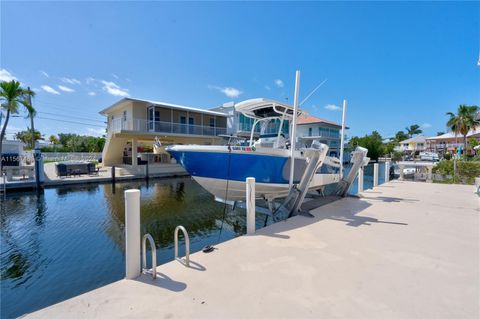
pixel 208 249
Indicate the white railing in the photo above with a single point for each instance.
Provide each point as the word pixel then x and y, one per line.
pixel 140 125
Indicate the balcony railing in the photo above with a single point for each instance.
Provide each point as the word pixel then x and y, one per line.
pixel 140 125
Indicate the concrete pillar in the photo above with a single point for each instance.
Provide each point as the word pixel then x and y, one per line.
pixel 132 233
pixel 250 199
pixel 401 167
pixel 429 174
pixel 134 152
pixel 360 180
pixel 387 172
pixel 375 175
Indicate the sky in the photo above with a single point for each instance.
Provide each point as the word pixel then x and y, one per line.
pixel 396 63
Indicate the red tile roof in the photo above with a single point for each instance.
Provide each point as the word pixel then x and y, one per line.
pixel 308 119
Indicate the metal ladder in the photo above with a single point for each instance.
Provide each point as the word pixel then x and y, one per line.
pixel 144 255
pixel 185 262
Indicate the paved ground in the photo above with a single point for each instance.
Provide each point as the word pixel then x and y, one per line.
pixel 405 250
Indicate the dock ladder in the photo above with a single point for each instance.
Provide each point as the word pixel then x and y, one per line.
pixel 144 255
pixel 185 262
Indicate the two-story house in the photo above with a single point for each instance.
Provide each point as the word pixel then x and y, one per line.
pixel 133 125
pixel 326 132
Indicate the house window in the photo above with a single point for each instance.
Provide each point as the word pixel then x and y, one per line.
pixel 310 131
pixel 212 122
pixel 124 116
pixel 191 121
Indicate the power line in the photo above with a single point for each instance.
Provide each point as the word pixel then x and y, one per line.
pixel 67 121
pixel 78 117
pixel 65 107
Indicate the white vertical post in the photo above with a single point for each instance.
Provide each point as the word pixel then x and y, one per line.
pixel 293 133
pixel 387 172
pixel 132 233
pixel 342 137
pixel 360 180
pixel 250 205
pixel 375 175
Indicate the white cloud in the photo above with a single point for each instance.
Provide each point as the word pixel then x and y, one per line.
pixel 279 83
pixel 230 92
pixel 267 87
pixel 6 76
pixel 426 125
pixel 49 89
pixel 66 89
pixel 92 93
pixel 114 89
pixel 333 107
pixel 71 81
pixel 115 76
pixel 45 74
pixel 95 131
pixel 90 80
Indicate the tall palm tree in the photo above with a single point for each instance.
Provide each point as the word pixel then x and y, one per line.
pixel 12 95
pixel 465 120
pixel 413 130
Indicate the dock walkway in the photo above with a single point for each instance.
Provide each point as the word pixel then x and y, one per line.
pixel 403 250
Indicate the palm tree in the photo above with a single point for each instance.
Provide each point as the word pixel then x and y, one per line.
pixel 11 96
pixel 413 130
pixel 465 120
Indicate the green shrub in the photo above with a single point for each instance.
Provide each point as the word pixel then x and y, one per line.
pixel 444 167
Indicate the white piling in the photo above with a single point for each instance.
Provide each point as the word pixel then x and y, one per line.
pixel 250 198
pixel 360 180
pixel 132 233
pixel 375 175
pixel 387 172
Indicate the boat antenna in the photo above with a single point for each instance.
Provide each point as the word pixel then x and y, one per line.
pixel 314 90
pixel 294 129
pixel 342 137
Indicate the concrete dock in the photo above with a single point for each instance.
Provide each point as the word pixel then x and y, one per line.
pixel 403 250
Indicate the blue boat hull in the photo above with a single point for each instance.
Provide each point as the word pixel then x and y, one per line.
pixel 234 166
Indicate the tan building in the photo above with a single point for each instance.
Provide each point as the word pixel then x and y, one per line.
pixel 449 142
pixel 133 125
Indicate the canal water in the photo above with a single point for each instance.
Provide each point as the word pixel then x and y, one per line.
pixel 70 240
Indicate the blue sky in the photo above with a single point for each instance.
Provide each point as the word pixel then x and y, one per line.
pixel 396 63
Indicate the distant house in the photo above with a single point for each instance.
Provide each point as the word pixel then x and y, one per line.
pixel 449 142
pixel 327 132
pixel 413 144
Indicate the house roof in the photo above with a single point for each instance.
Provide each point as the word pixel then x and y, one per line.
pixel 453 135
pixel 173 106
pixel 415 139
pixel 308 119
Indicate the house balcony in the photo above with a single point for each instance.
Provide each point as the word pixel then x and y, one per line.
pixel 147 126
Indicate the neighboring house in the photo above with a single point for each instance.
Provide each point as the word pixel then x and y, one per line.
pixel 133 124
pixel 449 142
pixel 413 144
pixel 327 132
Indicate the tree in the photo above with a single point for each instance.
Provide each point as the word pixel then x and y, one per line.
pixel 400 136
pixel 26 136
pixel 11 97
pixel 53 140
pixel 465 120
pixel 372 142
pixel 413 130
pixel 440 133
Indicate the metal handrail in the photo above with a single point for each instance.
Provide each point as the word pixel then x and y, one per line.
pixel 187 246
pixel 144 255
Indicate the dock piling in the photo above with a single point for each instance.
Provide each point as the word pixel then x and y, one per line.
pixel 387 171
pixel 132 233
pixel 250 198
pixel 360 179
pixel 375 175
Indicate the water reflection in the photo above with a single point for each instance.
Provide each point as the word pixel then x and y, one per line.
pixel 79 229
